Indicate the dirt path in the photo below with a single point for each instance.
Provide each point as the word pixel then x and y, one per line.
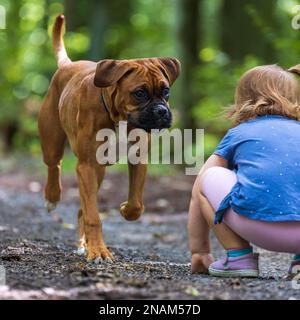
pixel 152 256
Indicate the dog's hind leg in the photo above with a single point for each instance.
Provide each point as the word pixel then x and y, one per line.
pixel 53 140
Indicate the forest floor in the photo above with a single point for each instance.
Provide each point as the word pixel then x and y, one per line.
pixel 152 258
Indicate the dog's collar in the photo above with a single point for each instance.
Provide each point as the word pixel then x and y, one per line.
pixel 106 107
pixel 104 103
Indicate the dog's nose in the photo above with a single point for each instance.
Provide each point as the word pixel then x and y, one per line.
pixel 161 110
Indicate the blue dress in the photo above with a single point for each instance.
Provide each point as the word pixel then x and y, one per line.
pixel 265 154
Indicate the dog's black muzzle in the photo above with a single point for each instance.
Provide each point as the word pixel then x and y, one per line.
pixel 152 116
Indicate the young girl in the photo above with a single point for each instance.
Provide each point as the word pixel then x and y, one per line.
pixel 248 191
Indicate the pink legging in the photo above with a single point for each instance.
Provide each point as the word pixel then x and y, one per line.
pixel 273 236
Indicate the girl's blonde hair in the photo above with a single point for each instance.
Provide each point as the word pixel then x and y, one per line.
pixel 266 90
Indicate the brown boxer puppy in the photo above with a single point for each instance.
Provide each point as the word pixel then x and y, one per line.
pixel 85 97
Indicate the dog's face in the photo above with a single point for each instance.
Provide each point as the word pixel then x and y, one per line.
pixel 139 90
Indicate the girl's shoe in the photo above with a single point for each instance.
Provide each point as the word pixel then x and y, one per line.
pixel 244 266
pixel 294 268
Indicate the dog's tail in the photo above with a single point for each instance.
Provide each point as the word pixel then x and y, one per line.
pixel 58 42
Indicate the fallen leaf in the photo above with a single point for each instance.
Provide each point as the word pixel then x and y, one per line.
pixel 192 291
pixel 69 226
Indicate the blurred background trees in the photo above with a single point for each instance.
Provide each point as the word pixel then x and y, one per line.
pixel 216 42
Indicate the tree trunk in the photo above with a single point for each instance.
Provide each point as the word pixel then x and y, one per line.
pixel 188 47
pixel 71 14
pixel 99 22
pixel 245 26
pixel 105 14
pixel 78 13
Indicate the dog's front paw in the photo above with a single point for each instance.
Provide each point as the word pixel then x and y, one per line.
pixel 130 212
pixel 50 206
pixel 99 254
pixel 81 251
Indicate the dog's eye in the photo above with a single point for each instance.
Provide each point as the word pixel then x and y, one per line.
pixel 166 93
pixel 141 95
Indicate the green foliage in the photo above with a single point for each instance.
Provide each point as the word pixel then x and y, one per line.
pixel 152 25
pixel 140 28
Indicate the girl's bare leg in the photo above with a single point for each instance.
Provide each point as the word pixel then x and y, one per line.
pixel 224 234
pixel 201 219
pixel 227 237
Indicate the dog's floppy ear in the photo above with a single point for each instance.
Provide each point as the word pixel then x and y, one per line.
pixel 171 68
pixel 108 72
pixel 295 69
